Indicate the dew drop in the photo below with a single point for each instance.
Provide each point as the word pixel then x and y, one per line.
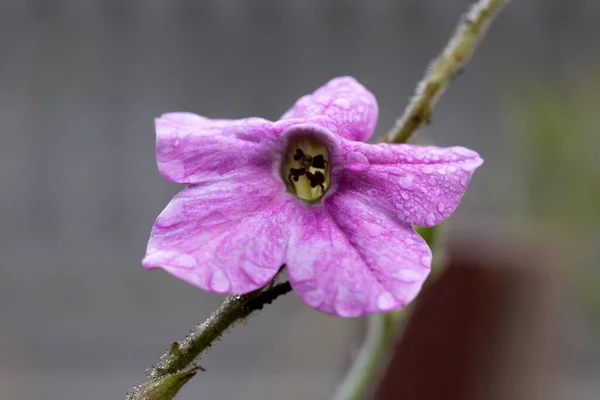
pixel 407 181
pixel 347 308
pixel 408 275
pixel 386 302
pixel 430 220
pixel 219 281
pixel 426 261
pixel 464 181
pixel 469 167
pixel 462 151
pixel 342 102
pixel 314 298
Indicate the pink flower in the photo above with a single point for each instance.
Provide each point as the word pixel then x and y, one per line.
pixel 306 192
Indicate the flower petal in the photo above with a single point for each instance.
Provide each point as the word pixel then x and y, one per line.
pixel 351 108
pixel 194 149
pixel 423 185
pixel 348 259
pixel 228 236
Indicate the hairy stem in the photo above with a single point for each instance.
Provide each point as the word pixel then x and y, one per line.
pixel 177 366
pixel 445 68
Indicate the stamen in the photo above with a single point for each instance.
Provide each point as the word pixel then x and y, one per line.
pixel 316 179
pixel 319 162
pixel 296 173
pixel 306 169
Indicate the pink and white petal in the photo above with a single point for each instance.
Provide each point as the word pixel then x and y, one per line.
pixel 423 185
pixel 228 236
pixel 351 108
pixel 194 149
pixel 347 259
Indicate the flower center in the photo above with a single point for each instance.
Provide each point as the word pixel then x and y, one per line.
pixel 305 169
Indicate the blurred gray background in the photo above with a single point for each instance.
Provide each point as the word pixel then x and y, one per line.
pixel 80 84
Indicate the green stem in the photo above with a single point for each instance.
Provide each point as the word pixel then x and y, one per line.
pixel 381 331
pixel 177 365
pixel 445 68
pixel 359 380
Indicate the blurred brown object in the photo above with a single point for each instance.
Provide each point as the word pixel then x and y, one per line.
pixel 483 330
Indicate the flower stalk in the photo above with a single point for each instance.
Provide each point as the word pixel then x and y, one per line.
pixel 445 68
pixel 177 365
pixel 383 329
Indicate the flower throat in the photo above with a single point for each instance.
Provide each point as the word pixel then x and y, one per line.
pixel 305 169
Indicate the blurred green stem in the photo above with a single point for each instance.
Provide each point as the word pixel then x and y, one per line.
pixel 445 68
pixel 381 329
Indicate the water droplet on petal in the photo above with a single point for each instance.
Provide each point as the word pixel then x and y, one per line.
pixel 469 167
pixel 314 298
pixel 430 220
pixel 386 302
pixel 407 275
pixel 463 151
pixel 185 261
pixel 407 181
pixel 426 261
pixel 219 281
pixel 348 308
pixel 464 180
pixel 342 102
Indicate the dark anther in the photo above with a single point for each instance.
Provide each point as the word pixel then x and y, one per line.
pixel 319 162
pixel 320 177
pixel 316 179
pixel 299 154
pixel 296 173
